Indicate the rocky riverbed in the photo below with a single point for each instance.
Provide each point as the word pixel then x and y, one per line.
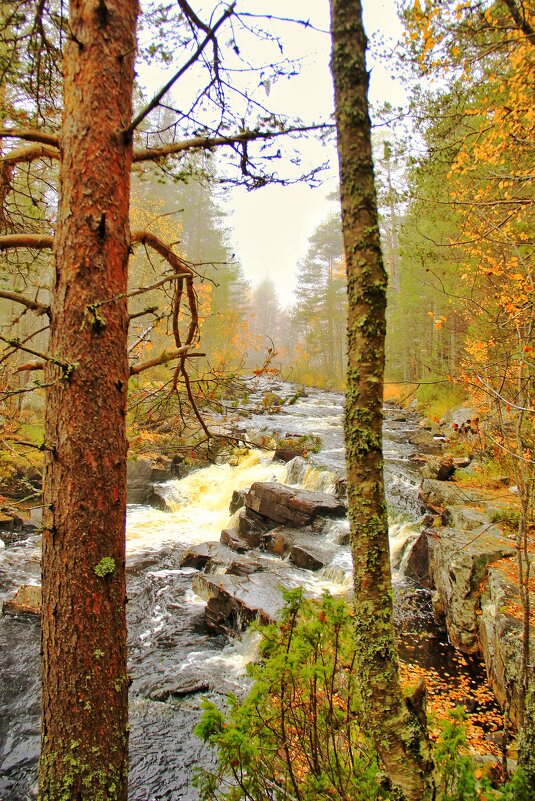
pixel 196 577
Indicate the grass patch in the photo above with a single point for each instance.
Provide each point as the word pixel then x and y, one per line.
pixel 437 399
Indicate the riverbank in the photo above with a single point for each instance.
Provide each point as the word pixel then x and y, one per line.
pixel 175 658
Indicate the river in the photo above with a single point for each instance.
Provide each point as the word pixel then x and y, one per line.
pixel 170 649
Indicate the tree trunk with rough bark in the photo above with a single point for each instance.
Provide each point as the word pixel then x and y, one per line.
pixel 398 732
pixel 85 684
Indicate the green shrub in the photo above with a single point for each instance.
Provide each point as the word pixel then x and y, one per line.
pixel 296 735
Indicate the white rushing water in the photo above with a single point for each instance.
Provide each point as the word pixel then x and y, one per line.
pixel 169 646
pixel 199 503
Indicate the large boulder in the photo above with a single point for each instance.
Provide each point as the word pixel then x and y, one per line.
pixel 458 563
pixel 500 634
pixel 291 506
pixel 138 481
pixel 233 602
pixel 26 601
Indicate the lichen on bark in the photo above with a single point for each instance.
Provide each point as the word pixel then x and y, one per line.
pixel 397 732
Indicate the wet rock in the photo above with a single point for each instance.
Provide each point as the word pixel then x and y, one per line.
pixel 426 442
pixel 458 562
pixel 252 526
pixel 417 564
pixel 10 520
pixel 171 688
pixel 271 400
pixel 303 547
pixel 233 540
pixel 290 506
pixel 206 555
pixel 500 635
pixel 161 473
pixel 237 500
pixel 215 557
pixel 233 602
pixel 244 567
pixel 157 499
pixel 439 469
pixel 27 601
pixel 139 481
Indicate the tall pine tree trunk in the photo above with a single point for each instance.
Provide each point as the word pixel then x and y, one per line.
pixel 85 685
pixel 398 734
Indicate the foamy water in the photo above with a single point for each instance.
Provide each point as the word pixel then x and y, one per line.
pixel 199 503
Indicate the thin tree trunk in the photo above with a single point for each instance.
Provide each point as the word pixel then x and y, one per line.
pixel 85 683
pixel 399 735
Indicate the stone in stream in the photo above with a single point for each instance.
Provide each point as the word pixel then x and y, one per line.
pixel 211 556
pixel 304 547
pixel 245 530
pixel 237 500
pixel 26 601
pixel 426 442
pixel 235 601
pixel 291 506
pixel 139 481
pixel 500 634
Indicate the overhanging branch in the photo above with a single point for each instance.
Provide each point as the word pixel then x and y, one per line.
pixel 32 241
pixel 40 308
pixel 30 135
pixel 157 97
pixel 164 357
pixel 25 155
pixel 210 142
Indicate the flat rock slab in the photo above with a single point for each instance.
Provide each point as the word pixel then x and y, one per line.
pixel 235 601
pixel 291 506
pixel 211 556
pixel 500 634
pixel 27 601
pixel 458 564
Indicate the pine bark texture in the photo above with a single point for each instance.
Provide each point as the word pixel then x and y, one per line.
pixel 84 675
pixel 400 738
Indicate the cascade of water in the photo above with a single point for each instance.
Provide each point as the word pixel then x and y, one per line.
pixel 170 652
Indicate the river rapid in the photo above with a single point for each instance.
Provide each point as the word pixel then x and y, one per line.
pixel 173 659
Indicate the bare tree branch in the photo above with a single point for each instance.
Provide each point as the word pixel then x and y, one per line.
pixel 15 343
pixel 150 239
pixel 33 241
pixel 164 357
pixel 157 97
pixel 143 312
pixel 25 155
pixel 30 135
pixel 207 142
pixel 40 308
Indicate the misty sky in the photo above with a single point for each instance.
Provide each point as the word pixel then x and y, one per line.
pixel 272 225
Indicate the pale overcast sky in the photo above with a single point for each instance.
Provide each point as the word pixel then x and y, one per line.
pixel 271 226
